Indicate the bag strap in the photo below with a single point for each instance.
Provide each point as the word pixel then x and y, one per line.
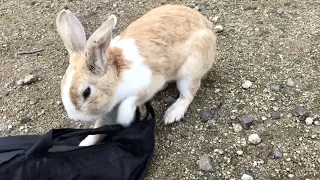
pixel 50 138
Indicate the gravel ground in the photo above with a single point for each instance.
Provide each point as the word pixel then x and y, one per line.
pixel 255 116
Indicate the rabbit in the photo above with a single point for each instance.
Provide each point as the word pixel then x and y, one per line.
pixel 170 43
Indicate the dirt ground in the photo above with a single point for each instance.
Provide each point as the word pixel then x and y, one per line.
pixel 273 44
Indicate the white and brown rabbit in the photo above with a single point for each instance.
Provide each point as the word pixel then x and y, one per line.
pixel 169 43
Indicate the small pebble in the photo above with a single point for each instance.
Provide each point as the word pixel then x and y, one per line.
pixel 246 177
pixel 275 87
pixel 237 128
pixel 205 163
pixel 27 80
pixel 20 82
pixel 317 123
pixel 35 2
pixel 302 111
pixel 206 115
pixel 275 115
pixel 9 126
pixel 290 175
pixel 280 11
pixel 215 19
pixel 246 84
pixel 169 100
pixel 33 102
pixel 240 153
pixel 246 121
pixel 309 121
pixel 254 139
pixel 218 28
pixel 290 83
pixel 277 154
pixel 59 102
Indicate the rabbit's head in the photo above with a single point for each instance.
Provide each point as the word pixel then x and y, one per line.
pixel 86 93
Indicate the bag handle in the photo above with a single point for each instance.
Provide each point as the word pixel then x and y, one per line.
pixel 50 138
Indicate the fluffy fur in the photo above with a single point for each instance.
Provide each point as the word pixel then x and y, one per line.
pixel 105 76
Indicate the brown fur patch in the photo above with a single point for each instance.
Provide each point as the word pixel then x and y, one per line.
pixel 74 95
pixel 78 66
pixel 162 34
pixel 115 59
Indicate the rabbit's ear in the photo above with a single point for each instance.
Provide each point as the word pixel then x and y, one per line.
pixel 71 31
pixel 98 44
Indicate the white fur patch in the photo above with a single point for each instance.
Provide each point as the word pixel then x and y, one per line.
pixel 126 111
pixel 90 140
pixel 69 106
pixel 174 113
pixel 138 77
pixel 177 111
pixel 114 40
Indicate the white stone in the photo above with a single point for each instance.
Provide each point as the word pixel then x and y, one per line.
pixel 220 152
pixel 290 83
pixel 205 163
pixel 309 121
pixel 290 175
pixel 215 19
pixel 219 28
pixel 237 127
pixel 20 82
pixel 240 153
pixel 246 84
pixel 9 126
pixel 254 139
pixel 246 177
pixel 29 78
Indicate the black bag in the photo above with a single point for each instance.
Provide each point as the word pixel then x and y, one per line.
pixel 124 154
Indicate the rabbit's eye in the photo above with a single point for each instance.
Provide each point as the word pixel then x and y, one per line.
pixel 86 93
